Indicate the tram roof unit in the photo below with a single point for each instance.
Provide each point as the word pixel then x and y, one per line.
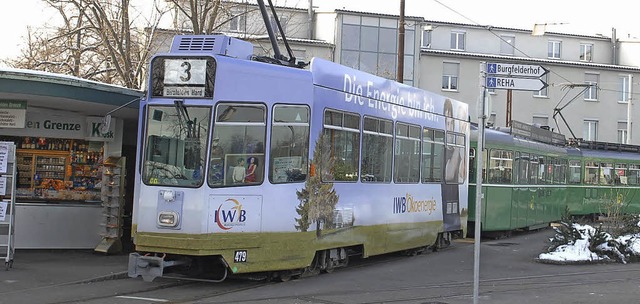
pixel 211 45
pixel 502 137
pixel 604 155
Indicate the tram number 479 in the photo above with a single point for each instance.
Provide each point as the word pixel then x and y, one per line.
pixel 240 256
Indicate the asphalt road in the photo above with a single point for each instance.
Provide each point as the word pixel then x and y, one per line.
pixel 508 274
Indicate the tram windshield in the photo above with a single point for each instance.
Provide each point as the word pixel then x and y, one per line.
pixel 176 143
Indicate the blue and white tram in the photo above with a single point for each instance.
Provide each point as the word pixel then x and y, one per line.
pixel 247 167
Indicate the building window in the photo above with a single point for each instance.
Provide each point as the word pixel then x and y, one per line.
pixel 590 130
pixel 622 132
pixel 450 72
pixel 274 25
pixel 370 44
pixel 586 52
pixel 544 92
pixel 426 39
pixel 457 40
pixel 301 55
pixel 238 22
pixel 540 120
pixel 591 92
pixel 554 49
pixel 623 89
pixel 507 44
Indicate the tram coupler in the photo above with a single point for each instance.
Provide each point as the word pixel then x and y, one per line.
pixel 149 266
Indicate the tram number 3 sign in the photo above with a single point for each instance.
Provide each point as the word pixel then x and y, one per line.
pixel 240 256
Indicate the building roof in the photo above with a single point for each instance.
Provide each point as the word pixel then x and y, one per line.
pixel 490 27
pixel 417 18
pixel 530 60
pixel 64 92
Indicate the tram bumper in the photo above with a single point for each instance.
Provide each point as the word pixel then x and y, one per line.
pixel 148 267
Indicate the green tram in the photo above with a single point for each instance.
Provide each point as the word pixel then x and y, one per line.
pixel 531 176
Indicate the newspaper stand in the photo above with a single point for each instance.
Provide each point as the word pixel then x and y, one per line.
pixel 113 205
pixel 7 204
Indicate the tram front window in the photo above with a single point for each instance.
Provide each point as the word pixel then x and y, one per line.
pixel 176 144
pixel 238 146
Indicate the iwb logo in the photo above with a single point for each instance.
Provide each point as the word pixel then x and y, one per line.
pixel 230 214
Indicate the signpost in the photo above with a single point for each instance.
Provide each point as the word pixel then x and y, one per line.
pixel 520 77
pixel 516 70
pixel 506 76
pixel 521 84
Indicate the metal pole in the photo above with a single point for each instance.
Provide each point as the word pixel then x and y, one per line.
pixel 400 72
pixel 479 155
pixel 628 141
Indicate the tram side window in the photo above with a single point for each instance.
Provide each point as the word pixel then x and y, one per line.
pixel 606 173
pixel 238 145
pixel 591 172
pixel 560 171
pixel 340 146
pixel 545 174
pixel 500 166
pixel 633 176
pixel 289 144
pixel 455 161
pixel 432 155
pixel 620 177
pixel 534 165
pixel 407 154
pixel 574 171
pixel 377 147
pixel 522 168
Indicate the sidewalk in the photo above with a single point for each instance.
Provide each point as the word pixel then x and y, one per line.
pixel 42 268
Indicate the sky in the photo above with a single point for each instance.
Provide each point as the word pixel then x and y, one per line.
pixel 588 17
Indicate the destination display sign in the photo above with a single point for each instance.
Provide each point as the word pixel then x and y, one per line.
pixel 516 70
pixel 184 77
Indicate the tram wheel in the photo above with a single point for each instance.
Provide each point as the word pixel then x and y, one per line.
pixel 284 276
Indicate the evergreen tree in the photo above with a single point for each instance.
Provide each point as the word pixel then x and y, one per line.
pixel 317 199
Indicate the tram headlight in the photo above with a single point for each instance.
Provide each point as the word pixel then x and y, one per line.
pixel 168 219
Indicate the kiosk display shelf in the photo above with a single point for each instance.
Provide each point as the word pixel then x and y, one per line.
pixel 112 192
pixel 7 204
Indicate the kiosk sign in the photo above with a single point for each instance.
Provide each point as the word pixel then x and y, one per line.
pixel 13 114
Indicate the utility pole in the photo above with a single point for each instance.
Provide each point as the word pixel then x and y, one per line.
pixel 400 74
pixel 482 116
pixel 509 106
pixel 629 106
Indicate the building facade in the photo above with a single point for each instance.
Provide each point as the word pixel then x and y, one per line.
pixel 589 77
pixel 590 80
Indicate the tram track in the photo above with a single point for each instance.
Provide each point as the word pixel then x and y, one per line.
pixel 443 291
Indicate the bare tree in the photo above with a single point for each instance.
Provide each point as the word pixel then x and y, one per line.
pixel 102 40
pixel 96 40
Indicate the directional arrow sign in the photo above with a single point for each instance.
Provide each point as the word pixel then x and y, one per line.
pixel 521 84
pixel 516 70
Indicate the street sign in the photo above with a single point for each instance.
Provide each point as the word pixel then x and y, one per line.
pixel 522 84
pixel 516 70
